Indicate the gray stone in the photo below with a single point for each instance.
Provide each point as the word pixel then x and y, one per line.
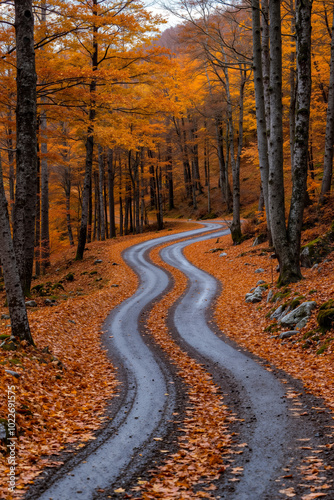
pixel 260 270
pixel 3 433
pixel 5 316
pixel 15 374
pixel 112 286
pixel 223 254
pixel 270 295
pixel 286 335
pixel 98 261
pixel 305 258
pixel 302 323
pixel 315 266
pixel 31 303
pixel 260 282
pixel 255 296
pixel 277 313
pixel 295 316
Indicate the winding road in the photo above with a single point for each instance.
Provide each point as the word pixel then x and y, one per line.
pixel 148 399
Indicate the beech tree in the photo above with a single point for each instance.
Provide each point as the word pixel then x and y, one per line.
pixel 286 238
pixel 26 142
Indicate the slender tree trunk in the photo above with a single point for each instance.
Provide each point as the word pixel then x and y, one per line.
pixel 26 143
pixel 90 211
pixel 292 107
pixel 15 297
pixel 68 209
pixel 45 236
pixel 89 148
pixel 329 137
pixel 159 197
pixel 11 159
pixel 101 186
pixel 111 179
pixel 169 161
pixel 38 220
pixel 262 140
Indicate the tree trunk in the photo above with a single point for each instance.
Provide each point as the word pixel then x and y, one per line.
pixel 38 220
pixel 26 143
pixel 169 161
pixel 45 236
pixel 287 240
pixel 262 141
pixel 101 186
pixel 89 148
pixel 329 138
pixel 15 297
pixel 111 179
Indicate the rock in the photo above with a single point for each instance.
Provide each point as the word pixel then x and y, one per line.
pixel 31 303
pixel 115 264
pixel 255 296
pixel 286 335
pixel 5 316
pixel 15 374
pixel 114 286
pixel 223 254
pixel 3 433
pixel 260 270
pixel 295 316
pixel 71 321
pixel 302 323
pixel 270 295
pixel 50 302
pixel 315 266
pixel 277 313
pixel 305 258
pixel 98 261
pixel 260 282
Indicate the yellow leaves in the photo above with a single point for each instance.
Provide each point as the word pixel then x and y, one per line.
pixel 289 492
pixel 312 496
pixel 119 490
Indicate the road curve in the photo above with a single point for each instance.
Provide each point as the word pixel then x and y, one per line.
pixel 269 439
pixel 146 406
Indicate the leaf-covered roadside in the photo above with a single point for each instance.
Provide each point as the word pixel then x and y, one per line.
pixel 67 380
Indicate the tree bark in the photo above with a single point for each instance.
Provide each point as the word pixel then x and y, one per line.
pixel 15 296
pixel 329 137
pixel 262 140
pixel 89 148
pixel 101 186
pixel 26 143
pixel 111 179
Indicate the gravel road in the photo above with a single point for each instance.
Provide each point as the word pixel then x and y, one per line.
pixel 147 399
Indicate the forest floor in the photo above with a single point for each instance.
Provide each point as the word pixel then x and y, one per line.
pixel 65 383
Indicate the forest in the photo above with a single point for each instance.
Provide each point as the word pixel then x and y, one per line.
pixel 116 125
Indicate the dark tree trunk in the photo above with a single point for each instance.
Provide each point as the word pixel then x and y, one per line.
pixel 169 161
pixel 111 179
pixel 45 235
pixel 101 185
pixel 38 221
pixel 89 149
pixel 15 298
pixel 26 143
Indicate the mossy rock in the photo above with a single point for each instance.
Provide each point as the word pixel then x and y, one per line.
pixel 4 336
pixel 9 347
pixel 57 286
pixel 281 295
pixel 319 247
pixel 69 277
pixel 325 315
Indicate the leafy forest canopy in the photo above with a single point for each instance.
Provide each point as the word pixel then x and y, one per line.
pixel 107 122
